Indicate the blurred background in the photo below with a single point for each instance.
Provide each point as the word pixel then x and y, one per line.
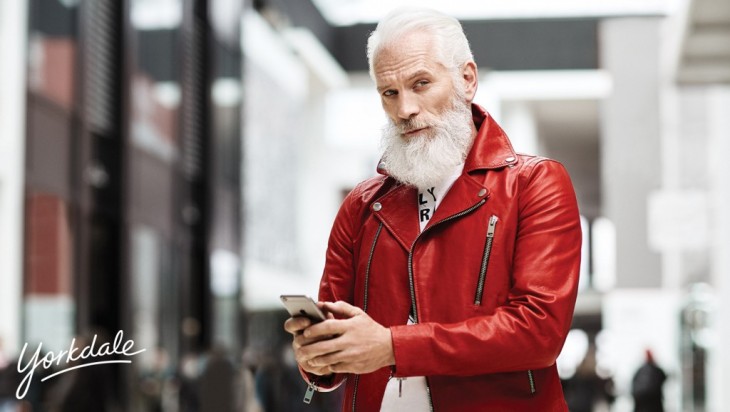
pixel 168 168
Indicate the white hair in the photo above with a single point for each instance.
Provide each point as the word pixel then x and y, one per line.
pixel 452 47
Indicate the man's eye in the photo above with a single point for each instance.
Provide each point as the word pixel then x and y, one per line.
pixel 389 93
pixel 421 83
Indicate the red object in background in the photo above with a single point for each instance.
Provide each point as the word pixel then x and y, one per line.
pixel 48 251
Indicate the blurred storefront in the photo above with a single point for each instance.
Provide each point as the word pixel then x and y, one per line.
pixel 132 185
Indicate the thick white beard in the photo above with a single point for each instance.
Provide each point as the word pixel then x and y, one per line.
pixel 425 161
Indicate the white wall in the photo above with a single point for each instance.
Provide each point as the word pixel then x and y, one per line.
pixel 295 170
pixel 13 18
pixel 341 151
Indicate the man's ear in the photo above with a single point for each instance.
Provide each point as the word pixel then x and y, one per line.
pixel 471 81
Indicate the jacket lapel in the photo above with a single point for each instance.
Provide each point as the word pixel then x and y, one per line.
pixel 465 193
pixel 399 213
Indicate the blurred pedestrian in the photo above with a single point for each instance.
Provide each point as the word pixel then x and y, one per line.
pixel 585 390
pixel 85 389
pixel 188 377
pixel 218 382
pixel 153 381
pixel 646 387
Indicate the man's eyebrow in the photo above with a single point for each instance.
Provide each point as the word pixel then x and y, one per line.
pixel 418 73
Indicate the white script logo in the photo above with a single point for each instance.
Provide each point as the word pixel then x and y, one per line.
pixel 66 356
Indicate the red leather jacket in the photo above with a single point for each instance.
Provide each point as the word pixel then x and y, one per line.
pixel 492 280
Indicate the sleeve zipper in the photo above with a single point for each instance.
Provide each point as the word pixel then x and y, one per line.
pixel 309 394
pixel 532 382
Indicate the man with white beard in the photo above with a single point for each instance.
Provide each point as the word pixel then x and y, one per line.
pixel 450 279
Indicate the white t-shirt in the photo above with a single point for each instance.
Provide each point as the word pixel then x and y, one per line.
pixel 411 394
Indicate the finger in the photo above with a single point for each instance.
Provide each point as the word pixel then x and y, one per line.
pixel 341 367
pixel 297 324
pixel 314 350
pixel 329 360
pixel 342 309
pixel 301 340
pixel 317 371
pixel 323 369
pixel 337 367
pixel 298 342
pixel 326 330
pixel 327 314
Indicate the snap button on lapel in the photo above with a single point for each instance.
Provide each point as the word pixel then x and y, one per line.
pixel 482 192
pixel 377 206
pixel 509 159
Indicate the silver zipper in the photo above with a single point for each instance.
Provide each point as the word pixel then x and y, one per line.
pixel 428 391
pixel 532 381
pixel 485 259
pixel 414 310
pixel 354 392
pixel 367 268
pixel 365 301
pixel 309 394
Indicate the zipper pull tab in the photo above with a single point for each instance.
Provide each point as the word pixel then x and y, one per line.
pixel 400 386
pixel 309 394
pixel 492 223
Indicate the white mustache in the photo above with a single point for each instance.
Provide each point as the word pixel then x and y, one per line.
pixel 407 126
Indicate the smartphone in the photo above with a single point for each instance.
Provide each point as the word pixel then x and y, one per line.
pixel 302 305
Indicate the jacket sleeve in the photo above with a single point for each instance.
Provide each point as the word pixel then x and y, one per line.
pixel 529 330
pixel 338 279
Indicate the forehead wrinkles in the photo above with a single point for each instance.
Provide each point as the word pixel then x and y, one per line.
pixel 411 51
pixel 391 66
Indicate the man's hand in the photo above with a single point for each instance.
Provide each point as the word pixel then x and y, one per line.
pixel 354 343
pixel 296 326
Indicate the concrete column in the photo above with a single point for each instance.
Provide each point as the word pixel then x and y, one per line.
pixel 670 168
pixel 13 34
pixel 630 143
pixel 518 120
pixel 718 149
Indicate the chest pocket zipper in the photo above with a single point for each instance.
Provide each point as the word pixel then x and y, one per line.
pixel 485 259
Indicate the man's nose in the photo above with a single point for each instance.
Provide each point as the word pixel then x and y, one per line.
pixel 407 106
